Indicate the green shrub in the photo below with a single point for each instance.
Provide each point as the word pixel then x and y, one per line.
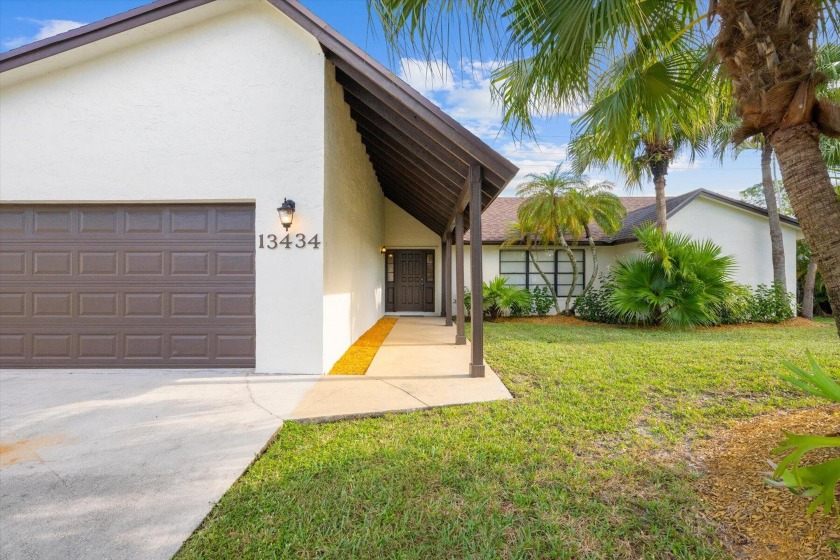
pixel 676 282
pixel 543 300
pixel 467 302
pixel 771 304
pixel 499 298
pixel 595 306
pixel 524 308
pixel 736 307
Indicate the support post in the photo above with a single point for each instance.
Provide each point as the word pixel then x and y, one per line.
pixel 460 329
pixel 447 279
pixel 476 285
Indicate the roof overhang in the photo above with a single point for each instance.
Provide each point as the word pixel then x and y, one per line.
pixel 421 155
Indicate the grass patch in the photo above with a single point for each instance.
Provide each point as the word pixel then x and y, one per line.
pixel 357 359
pixel 592 459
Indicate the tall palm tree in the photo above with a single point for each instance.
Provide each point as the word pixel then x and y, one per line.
pixel 638 121
pixel 588 204
pixel 720 139
pixel 828 63
pixel 559 50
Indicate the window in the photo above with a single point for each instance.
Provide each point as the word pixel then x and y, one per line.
pixel 518 267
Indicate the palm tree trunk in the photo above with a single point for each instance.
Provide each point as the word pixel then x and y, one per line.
pixel 571 255
pixel 547 282
pixel 661 207
pixel 777 245
pixel 594 259
pixel 813 199
pixel 808 289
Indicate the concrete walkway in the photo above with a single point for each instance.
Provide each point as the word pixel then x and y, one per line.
pixel 126 464
pixel 418 366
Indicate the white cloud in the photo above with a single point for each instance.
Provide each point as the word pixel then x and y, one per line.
pixel 532 157
pixel 683 163
pixel 465 92
pixel 427 77
pixel 46 28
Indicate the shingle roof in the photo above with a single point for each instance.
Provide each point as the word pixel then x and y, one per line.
pixel 640 209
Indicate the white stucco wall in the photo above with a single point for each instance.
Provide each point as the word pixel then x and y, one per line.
pixel 403 231
pixel 226 103
pixel 740 233
pixel 353 230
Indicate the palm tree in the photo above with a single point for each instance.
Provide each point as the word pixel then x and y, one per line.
pixel 558 51
pixel 638 120
pixel 546 216
pixel 589 204
pixel 828 63
pixel 721 134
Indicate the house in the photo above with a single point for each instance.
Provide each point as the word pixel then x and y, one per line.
pixel 739 228
pixel 149 165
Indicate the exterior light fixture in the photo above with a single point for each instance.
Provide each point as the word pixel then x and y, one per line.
pixel 287 212
pixel 383 250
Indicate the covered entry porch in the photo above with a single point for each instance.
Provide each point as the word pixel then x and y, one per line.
pixel 418 366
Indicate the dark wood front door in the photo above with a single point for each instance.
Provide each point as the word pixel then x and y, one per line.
pixel 410 280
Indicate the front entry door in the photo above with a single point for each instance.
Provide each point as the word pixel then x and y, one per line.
pixel 413 282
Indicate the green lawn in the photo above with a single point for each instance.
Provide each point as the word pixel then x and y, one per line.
pixel 587 462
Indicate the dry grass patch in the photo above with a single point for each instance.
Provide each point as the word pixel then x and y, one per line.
pixel 756 520
pixel 358 357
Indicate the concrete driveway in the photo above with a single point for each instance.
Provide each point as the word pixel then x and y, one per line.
pixel 126 464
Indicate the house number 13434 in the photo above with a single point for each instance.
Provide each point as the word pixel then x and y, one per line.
pixel 299 241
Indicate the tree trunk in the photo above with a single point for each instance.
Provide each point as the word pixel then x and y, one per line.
pixel 808 289
pixel 594 260
pixel 661 206
pixel 777 245
pixel 571 255
pixel 814 202
pixel 546 280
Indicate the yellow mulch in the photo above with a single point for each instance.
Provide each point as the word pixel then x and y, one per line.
pixel 358 357
pixel 754 519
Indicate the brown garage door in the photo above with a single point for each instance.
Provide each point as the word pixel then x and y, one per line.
pixel 127 286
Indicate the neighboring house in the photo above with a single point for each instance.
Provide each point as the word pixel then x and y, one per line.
pixel 739 228
pixel 144 158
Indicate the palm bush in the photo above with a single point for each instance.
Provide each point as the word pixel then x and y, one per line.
pixel 817 481
pixel 499 298
pixel 676 282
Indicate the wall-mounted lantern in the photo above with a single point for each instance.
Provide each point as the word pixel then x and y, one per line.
pixel 383 250
pixel 287 213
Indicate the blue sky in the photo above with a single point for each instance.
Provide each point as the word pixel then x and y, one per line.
pixel 463 92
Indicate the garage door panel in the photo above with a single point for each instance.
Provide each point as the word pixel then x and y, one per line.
pixel 13 304
pixel 128 286
pixel 99 221
pixel 12 263
pixel 53 222
pixel 52 305
pixel 98 263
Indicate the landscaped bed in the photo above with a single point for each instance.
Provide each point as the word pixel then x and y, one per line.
pixel 357 359
pixel 603 454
